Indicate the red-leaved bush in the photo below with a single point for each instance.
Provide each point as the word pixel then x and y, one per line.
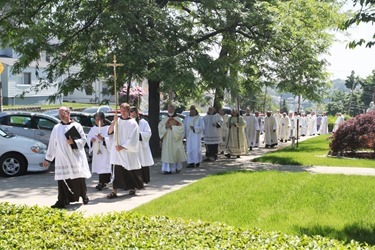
pixel 353 135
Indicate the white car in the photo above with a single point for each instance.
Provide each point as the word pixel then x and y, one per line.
pixel 19 154
pixel 93 110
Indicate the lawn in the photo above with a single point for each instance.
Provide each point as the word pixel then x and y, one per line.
pixel 334 206
pixel 312 152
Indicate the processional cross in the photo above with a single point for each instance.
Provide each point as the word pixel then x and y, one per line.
pixel 115 65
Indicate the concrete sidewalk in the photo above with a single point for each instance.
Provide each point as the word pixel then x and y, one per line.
pixel 41 189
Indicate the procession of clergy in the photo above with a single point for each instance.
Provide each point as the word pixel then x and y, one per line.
pixel 122 155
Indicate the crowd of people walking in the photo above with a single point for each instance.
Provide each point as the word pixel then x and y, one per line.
pixel 122 155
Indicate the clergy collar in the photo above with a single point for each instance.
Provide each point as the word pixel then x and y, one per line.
pixel 128 118
pixel 63 123
pixel 174 115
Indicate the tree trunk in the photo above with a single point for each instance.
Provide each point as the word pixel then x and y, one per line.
pixel 153 116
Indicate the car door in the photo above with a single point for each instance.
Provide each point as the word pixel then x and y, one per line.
pixel 42 127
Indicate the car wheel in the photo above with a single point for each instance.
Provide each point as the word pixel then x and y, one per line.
pixel 13 164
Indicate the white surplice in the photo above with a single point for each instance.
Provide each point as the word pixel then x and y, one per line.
pixel 69 163
pixel 128 137
pixel 194 138
pixel 144 154
pixel 252 126
pixel 100 159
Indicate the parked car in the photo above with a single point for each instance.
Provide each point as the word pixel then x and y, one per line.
pixel 19 154
pixel 85 119
pixel 33 125
pixel 97 109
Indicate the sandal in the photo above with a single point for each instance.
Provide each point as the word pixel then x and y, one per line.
pixel 111 195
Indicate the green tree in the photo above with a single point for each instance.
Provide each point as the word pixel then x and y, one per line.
pixel 365 14
pixel 351 83
pixel 170 44
pixel 368 89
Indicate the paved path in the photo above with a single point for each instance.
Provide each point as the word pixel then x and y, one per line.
pixel 41 189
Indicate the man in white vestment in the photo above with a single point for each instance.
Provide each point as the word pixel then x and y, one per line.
pixel 127 172
pixel 284 127
pixel 339 119
pixel 212 133
pixel 194 127
pixel 171 132
pixel 303 124
pixel 312 124
pixel 323 125
pixel 292 125
pixel 98 142
pixel 278 116
pixel 144 153
pixel 252 127
pixel 71 165
pixel 270 130
pixel 261 128
pixel 236 144
pixel 224 131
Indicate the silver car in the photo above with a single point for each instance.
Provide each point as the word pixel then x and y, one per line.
pixel 33 125
pixel 18 155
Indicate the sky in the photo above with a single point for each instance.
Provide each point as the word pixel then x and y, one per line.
pixel 360 59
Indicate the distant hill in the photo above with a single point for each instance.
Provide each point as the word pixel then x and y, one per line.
pixel 339 84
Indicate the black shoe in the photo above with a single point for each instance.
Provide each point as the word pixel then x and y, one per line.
pixel 191 165
pixel 99 187
pixel 207 159
pixel 178 171
pixel 58 205
pixel 222 152
pixel 85 200
pixel 238 156
pixel 197 165
pixel 167 172
pixel 251 148
pixel 132 192
pixel 227 155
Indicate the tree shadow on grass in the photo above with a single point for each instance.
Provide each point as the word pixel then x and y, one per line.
pixel 278 160
pixel 357 232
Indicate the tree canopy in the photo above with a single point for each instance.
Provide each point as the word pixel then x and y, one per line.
pixel 172 43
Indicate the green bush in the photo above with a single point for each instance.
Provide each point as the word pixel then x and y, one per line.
pixel 25 227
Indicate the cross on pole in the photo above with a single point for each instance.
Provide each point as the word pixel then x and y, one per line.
pixel 115 65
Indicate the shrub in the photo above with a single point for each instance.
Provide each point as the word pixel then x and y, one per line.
pixel 355 134
pixel 25 227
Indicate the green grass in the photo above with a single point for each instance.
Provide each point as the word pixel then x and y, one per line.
pixel 312 152
pixel 335 206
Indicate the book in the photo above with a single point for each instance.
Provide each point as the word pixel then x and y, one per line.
pixel 74 134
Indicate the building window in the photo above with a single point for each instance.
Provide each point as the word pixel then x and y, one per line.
pixel 27 78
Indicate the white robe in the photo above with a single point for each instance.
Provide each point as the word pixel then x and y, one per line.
pixel 304 125
pixel 270 131
pixel 338 121
pixel 69 163
pixel 128 137
pixel 252 126
pixel 323 126
pixel 100 162
pixel 194 138
pixel 224 133
pixel 284 128
pixel 172 141
pixel 312 125
pixel 212 133
pixel 145 155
